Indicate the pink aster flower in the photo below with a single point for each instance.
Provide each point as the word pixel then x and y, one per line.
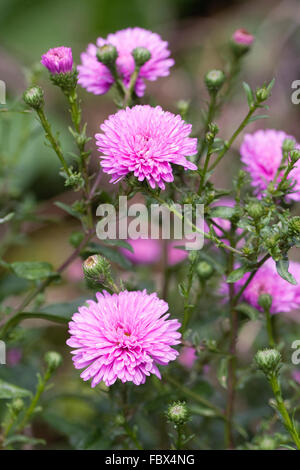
pixel 241 36
pixel 123 336
pixel 187 357
pixel 262 154
pixel 145 141
pixel 145 251
pixel 286 296
pixel 96 77
pixel 58 60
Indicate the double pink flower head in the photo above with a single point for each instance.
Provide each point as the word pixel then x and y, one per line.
pixel 145 141
pixel 123 336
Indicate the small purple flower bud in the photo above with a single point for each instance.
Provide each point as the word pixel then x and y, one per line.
pixel 241 36
pixel 58 60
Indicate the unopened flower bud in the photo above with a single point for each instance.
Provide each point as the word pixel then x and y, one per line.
pixel 97 270
pixel 53 360
pixel 178 413
pixel 265 301
pixel 269 361
pixel 294 155
pixel 141 55
pixel 241 36
pixel 34 97
pixel 17 405
pixel 183 107
pixel 288 145
pixel 107 54
pixel 294 226
pixel 255 210
pixel 204 270
pixel 262 94
pixel 214 81
pixel 241 42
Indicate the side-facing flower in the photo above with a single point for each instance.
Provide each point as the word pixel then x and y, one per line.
pixel 261 154
pixel 285 296
pixel 97 78
pixel 145 141
pixel 123 336
pixel 58 60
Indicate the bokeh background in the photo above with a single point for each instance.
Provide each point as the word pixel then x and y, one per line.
pixel 197 31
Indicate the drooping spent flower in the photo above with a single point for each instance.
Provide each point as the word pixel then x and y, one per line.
pixel 97 78
pixel 285 296
pixel 123 336
pixel 145 141
pixel 58 60
pixel 261 153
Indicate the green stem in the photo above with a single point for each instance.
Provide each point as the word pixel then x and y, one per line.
pixel 232 363
pixel 229 143
pixel 49 136
pixel 30 410
pixel 210 115
pixel 130 90
pixel 81 140
pixel 289 424
pixel 269 323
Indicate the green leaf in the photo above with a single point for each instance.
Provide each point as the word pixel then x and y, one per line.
pixel 119 243
pixel 68 209
pixel 9 391
pixel 249 93
pixel 7 218
pixel 246 309
pixel 201 410
pixel 222 212
pixel 112 255
pixel 237 274
pixel 32 270
pixel 271 84
pixel 58 313
pixel 260 116
pixel 23 440
pixel 222 373
pixel 282 267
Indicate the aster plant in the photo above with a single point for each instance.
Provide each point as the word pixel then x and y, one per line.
pixel 170 352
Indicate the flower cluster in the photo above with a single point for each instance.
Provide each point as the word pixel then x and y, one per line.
pixel 123 336
pixel 97 78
